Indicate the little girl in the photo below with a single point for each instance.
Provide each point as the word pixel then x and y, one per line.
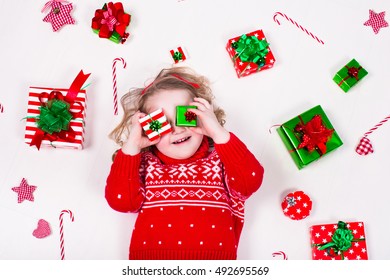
pixel 189 198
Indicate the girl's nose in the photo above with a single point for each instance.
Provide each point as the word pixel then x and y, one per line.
pixel 177 129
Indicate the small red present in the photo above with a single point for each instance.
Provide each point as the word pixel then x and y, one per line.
pixel 155 125
pixel 250 53
pixel 297 205
pixel 178 55
pixel 341 241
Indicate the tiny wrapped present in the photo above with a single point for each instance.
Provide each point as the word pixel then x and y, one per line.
pixel 184 117
pixel 309 136
pixel 178 55
pixel 155 125
pixel 250 53
pixel 341 241
pixel 55 117
pixel 296 205
pixel 111 22
pixel 349 75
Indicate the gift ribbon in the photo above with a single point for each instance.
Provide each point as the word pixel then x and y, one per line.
pixel 190 116
pixel 342 240
pixel 50 3
pixel 353 72
pixel 155 125
pixel 251 49
pixel 177 56
pixel 109 19
pixel 55 115
pixel 314 134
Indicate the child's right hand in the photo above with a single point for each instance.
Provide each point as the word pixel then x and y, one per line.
pixel 137 139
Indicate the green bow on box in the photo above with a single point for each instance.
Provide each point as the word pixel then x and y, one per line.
pixel 251 49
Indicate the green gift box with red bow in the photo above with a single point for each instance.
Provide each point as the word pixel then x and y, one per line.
pixel 341 241
pixel 309 136
pixel 349 75
pixel 250 53
pixel 111 22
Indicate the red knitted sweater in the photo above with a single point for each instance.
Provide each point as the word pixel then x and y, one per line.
pixel 187 209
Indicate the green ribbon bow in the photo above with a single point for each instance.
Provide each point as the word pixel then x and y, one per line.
pixel 341 240
pixel 251 49
pixel 177 56
pixel 54 117
pixel 155 125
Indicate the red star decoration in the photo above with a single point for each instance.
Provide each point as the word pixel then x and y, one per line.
pixel 59 15
pixel 25 191
pixel 376 21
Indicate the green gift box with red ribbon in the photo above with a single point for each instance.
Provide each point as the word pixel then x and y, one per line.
pixel 349 75
pixel 341 241
pixel 111 22
pixel 55 116
pixel 309 136
pixel 250 53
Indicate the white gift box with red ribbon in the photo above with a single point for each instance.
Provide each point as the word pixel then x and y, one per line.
pixel 155 124
pixel 76 125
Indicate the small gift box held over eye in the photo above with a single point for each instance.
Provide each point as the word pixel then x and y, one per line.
pixel 341 241
pixel 250 53
pixel 185 117
pixel 111 22
pixel 155 125
pixel 349 75
pixel 55 117
pixel 309 136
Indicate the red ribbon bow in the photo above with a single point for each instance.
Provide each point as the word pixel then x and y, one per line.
pixel 315 134
pixel 70 97
pixel 109 19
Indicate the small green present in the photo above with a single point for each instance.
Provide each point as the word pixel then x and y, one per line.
pixel 349 75
pixel 309 136
pixel 185 117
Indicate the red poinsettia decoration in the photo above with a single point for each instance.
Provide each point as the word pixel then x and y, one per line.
pixel 109 19
pixel 314 134
pixel 297 205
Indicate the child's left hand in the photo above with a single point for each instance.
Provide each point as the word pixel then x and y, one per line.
pixel 207 122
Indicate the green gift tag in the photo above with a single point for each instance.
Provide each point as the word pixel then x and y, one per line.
pixel 292 136
pixel 184 117
pixel 115 37
pixel 349 75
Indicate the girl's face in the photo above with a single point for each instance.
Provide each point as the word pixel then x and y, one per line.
pixel 181 143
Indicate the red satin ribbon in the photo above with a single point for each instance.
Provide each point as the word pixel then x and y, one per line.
pixel 70 134
pixel 315 134
pixel 353 72
pixel 109 19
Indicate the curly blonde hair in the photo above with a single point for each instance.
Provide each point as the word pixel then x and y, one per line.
pixel 167 79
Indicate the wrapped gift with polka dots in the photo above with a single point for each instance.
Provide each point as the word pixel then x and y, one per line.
pixel 341 241
pixel 250 53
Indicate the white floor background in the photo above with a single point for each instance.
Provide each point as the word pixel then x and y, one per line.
pixel 343 185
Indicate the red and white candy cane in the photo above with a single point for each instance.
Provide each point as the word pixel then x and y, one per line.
pixel 1 108
pixel 297 25
pixel 62 231
pixel 115 93
pixel 365 146
pixel 280 253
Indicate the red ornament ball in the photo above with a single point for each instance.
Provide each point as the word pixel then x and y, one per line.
pixel 297 205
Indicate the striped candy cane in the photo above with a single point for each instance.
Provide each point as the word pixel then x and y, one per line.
pixel 1 108
pixel 280 253
pixel 365 146
pixel 62 231
pixel 297 25
pixel 114 82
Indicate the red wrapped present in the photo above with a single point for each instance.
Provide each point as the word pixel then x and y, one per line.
pixel 341 241
pixel 55 117
pixel 250 53
pixel 155 125
pixel 178 55
pixel 297 205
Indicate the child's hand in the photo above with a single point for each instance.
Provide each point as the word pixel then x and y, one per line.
pixel 137 140
pixel 207 122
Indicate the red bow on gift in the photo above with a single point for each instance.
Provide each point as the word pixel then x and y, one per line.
pixel 109 19
pixel 315 134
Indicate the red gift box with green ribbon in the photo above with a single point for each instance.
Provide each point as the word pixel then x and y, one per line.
pixel 56 117
pixel 341 241
pixel 111 22
pixel 250 53
pixel 309 136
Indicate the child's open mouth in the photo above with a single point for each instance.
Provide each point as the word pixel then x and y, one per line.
pixel 181 140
